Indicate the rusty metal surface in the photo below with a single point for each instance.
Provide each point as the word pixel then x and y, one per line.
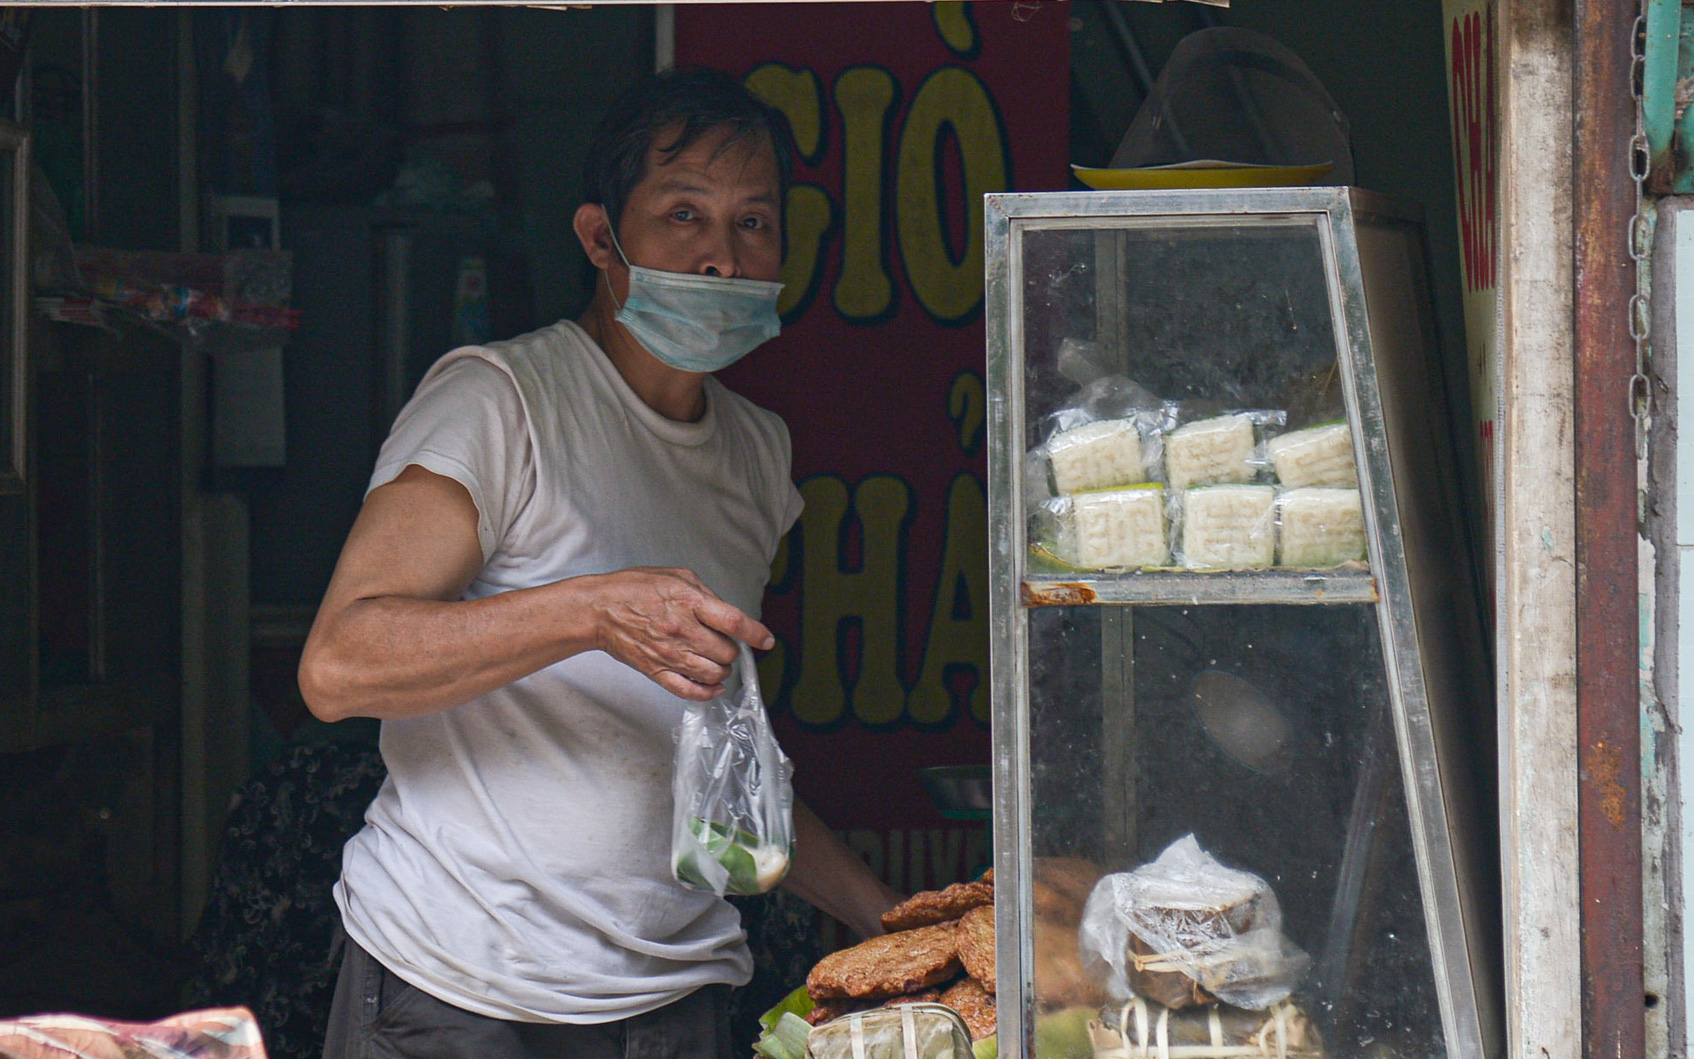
pixel 1057 594
pixel 1608 792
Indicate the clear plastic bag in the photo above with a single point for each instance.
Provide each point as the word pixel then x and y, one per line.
pixel 1185 913
pixel 732 825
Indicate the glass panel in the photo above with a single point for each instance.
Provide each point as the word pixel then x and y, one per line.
pixel 1265 733
pixel 1182 402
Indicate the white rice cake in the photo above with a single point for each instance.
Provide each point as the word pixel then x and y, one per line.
pixel 1321 527
pixel 1209 452
pixel 1117 528
pixel 1100 455
pixel 1229 527
pixel 1315 456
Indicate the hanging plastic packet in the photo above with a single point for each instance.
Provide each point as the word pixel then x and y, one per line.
pixel 732 825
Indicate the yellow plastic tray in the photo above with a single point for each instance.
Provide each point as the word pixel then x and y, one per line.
pixel 1206 173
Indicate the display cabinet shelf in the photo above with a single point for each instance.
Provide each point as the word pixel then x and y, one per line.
pixel 1178 587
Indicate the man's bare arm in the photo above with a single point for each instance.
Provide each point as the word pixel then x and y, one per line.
pixel 832 878
pixel 394 637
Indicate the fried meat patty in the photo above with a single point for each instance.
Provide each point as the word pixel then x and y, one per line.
pixel 937 906
pixel 888 966
pixel 832 1008
pixel 922 996
pixel 976 944
pixel 975 1005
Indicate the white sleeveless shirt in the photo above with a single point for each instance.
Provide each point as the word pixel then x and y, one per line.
pixel 516 863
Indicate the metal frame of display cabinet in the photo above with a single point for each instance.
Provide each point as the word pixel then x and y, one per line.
pixel 1413 581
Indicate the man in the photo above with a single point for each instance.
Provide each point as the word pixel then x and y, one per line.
pixel 566 536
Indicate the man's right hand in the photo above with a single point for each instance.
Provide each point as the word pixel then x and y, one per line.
pixel 665 623
pixel 395 636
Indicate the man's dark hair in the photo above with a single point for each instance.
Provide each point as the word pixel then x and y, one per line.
pixel 697 100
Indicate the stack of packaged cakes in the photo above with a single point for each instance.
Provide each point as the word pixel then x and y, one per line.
pixel 1224 493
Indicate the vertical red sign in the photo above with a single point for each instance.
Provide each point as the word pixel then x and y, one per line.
pixel 1473 75
pixel 905 115
pixel 1476 144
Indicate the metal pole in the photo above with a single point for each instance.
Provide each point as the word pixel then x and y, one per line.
pixel 1608 733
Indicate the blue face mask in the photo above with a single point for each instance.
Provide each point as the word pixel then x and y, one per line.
pixel 695 322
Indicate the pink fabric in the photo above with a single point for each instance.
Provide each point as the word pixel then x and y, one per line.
pixel 217 1033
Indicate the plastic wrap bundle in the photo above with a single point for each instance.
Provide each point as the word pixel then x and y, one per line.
pixel 1109 436
pixel 1228 527
pixel 732 825
pixel 907 1031
pixel 1317 456
pixel 1320 527
pixel 1109 529
pixel 1099 455
pixel 1223 450
pixel 1188 915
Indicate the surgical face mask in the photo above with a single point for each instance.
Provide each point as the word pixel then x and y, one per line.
pixel 695 322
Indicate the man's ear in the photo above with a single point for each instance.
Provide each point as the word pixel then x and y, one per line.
pixel 594 231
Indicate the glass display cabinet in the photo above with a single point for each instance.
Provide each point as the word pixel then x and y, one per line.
pixel 1242 717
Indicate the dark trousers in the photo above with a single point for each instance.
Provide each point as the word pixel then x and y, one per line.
pixel 377 1015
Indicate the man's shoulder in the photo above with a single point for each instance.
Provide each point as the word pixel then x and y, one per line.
pixel 543 347
pixel 732 405
pixel 540 362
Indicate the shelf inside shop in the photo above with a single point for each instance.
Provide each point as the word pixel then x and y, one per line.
pixel 1349 584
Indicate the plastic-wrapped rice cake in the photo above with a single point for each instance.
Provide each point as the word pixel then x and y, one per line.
pixel 1315 456
pixel 1116 528
pixel 1321 527
pixel 1229 527
pixel 1210 451
pixel 1098 455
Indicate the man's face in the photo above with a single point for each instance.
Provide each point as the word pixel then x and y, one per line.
pixel 708 209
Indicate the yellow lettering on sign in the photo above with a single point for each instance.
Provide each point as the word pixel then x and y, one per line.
pixel 807 219
pixel 967 407
pixel 835 600
pixel 957 645
pixel 808 211
pixel 864 95
pixel 953 22
pixel 951 98
pixel 799 95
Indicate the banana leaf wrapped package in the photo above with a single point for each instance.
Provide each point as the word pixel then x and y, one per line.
pixel 1140 1030
pixel 906 1031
